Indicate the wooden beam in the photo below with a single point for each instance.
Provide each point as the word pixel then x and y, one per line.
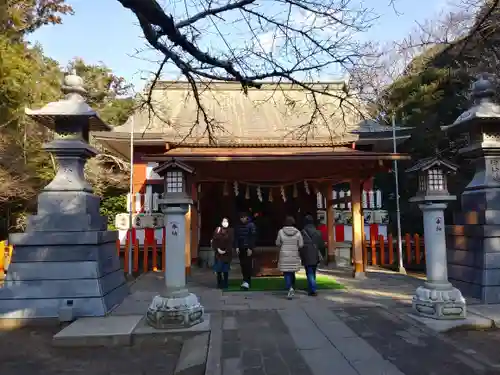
pixel 357 229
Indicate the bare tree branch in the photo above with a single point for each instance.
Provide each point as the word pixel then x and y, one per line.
pixel 245 41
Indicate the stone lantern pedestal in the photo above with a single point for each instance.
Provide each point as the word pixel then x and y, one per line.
pixel 65 265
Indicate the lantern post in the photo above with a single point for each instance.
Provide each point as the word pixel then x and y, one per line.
pixel 175 307
pixel 437 298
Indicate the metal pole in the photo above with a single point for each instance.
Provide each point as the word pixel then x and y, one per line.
pixel 398 211
pixel 131 192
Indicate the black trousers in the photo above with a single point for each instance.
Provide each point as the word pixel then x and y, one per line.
pixel 246 266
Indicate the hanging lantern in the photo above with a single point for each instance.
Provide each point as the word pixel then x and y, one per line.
pixel 295 191
pixel 306 188
pixel 259 193
pixel 236 188
pixel 283 194
pixel 270 199
pixel 225 191
pixel 247 192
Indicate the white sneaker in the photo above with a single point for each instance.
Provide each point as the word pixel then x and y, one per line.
pixel 244 285
pixel 291 293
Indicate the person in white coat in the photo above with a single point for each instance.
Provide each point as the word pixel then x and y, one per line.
pixel 290 241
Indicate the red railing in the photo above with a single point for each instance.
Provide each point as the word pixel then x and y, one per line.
pixel 148 257
pixel 384 251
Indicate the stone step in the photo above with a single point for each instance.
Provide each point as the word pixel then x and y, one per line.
pixel 123 330
pixel 193 357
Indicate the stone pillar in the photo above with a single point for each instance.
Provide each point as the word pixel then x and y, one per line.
pixel 65 265
pixel 175 307
pixel 175 259
pixel 437 298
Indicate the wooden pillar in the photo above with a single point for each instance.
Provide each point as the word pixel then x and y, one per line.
pixel 194 226
pixel 357 229
pixel 363 234
pixel 326 191
pixel 187 246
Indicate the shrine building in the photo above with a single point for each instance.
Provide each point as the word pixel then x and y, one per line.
pixel 275 152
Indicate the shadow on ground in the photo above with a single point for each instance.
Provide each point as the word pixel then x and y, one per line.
pixel 29 350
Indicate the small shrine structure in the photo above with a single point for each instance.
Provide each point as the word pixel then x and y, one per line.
pixel 269 157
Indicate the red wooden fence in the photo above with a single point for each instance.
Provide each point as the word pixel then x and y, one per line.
pixel 384 251
pixel 379 251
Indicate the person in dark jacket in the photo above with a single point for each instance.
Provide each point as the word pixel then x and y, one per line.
pixel 244 243
pixel 311 252
pixel 222 243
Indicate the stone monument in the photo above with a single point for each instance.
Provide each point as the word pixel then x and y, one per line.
pixel 474 240
pixel 175 307
pixel 65 265
pixel 437 298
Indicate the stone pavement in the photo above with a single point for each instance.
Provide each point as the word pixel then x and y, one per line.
pixel 362 330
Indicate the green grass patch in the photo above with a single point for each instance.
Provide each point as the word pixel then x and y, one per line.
pixel 262 284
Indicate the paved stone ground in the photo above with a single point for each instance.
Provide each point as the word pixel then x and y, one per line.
pixel 258 343
pixel 414 349
pixel 29 351
pixel 482 345
pixel 363 330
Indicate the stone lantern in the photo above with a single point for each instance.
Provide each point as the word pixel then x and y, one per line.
pixel 473 240
pixel 437 298
pixel 65 265
pixel 175 307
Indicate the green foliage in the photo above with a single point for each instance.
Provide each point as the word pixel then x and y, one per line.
pixel 29 79
pixel 111 205
pixel 21 17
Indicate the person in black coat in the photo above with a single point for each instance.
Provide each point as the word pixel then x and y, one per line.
pixel 244 243
pixel 311 252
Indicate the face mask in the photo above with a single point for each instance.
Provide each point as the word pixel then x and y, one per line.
pixel 225 224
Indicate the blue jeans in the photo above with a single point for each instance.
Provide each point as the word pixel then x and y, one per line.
pixel 311 278
pixel 289 279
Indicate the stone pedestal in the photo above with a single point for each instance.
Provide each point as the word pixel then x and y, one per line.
pixel 65 265
pixel 474 254
pixel 343 254
pixel 175 307
pixel 437 298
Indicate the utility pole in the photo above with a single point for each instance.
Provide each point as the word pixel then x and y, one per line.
pixel 398 211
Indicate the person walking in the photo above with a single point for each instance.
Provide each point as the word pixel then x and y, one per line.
pixel 311 252
pixel 290 241
pixel 244 243
pixel 222 244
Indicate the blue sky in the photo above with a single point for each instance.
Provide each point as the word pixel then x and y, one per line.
pixel 104 31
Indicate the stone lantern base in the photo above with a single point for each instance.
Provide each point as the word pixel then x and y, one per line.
pixel 444 303
pixel 175 310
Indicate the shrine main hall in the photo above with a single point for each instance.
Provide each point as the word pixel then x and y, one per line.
pixel 268 153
